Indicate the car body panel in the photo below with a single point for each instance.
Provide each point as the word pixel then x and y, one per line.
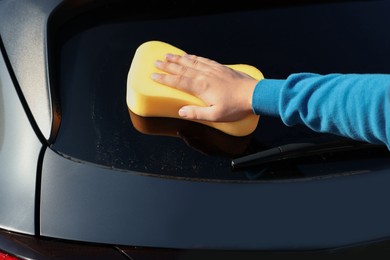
pixel 19 153
pixel 133 208
pixel 24 36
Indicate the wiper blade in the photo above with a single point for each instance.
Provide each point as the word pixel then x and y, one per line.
pixel 298 150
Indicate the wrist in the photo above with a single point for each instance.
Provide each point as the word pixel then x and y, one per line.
pixel 250 89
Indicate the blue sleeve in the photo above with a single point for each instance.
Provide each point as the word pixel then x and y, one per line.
pixel 350 105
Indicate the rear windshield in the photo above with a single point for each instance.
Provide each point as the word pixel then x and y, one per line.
pixel 92 51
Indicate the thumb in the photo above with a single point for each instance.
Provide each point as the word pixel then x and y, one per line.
pixel 197 113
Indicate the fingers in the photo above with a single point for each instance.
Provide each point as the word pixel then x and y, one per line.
pixel 179 65
pixel 198 113
pixel 186 65
pixel 182 72
pixel 176 81
pixel 191 61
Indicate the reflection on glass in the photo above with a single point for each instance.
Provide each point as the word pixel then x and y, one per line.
pixel 198 136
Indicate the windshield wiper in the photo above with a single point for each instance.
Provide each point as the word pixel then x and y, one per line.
pixel 299 150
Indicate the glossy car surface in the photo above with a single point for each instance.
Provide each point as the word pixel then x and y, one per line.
pixel 81 176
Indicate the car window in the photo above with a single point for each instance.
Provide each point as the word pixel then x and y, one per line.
pixel 92 51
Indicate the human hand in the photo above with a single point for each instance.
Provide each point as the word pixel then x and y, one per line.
pixel 226 92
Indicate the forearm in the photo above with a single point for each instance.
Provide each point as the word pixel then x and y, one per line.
pixel 351 105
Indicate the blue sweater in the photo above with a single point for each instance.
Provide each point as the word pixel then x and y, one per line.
pixel 351 105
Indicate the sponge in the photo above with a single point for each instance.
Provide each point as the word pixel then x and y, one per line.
pixel 147 98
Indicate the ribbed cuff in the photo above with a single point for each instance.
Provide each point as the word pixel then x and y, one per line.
pixel 265 99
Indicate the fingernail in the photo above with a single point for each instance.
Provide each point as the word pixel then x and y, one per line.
pixel 155 75
pixel 169 56
pixel 158 63
pixel 183 112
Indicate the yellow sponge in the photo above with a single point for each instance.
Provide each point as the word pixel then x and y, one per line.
pixel 147 98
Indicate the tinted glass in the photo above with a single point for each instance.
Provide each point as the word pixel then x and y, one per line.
pixel 93 52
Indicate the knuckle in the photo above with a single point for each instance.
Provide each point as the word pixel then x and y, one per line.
pixel 183 70
pixel 193 114
pixel 193 59
pixel 195 62
pixel 191 56
pixel 202 83
pixel 179 80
